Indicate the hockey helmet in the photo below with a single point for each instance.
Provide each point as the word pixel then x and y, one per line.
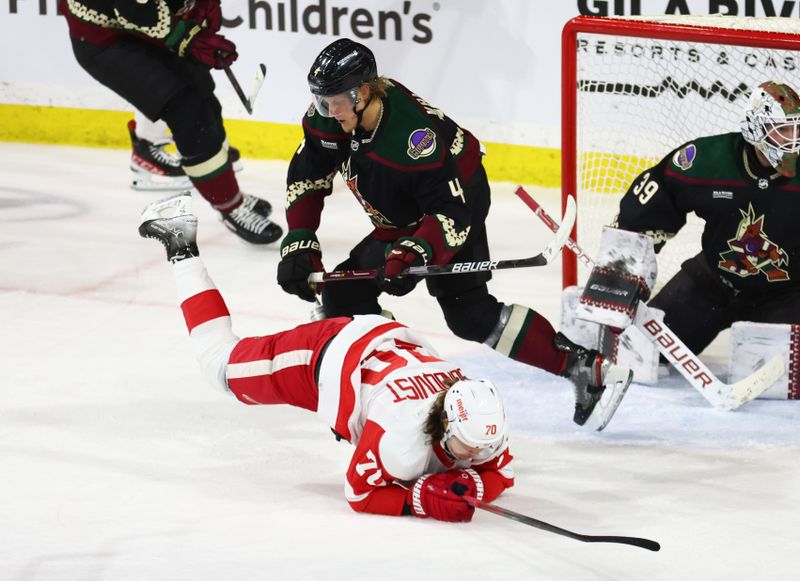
pixel 772 124
pixel 476 416
pixel 340 69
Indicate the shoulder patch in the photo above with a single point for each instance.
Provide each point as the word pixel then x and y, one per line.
pixel 311 110
pixel 421 143
pixel 685 156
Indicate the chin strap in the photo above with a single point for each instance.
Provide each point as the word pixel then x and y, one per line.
pixel 360 114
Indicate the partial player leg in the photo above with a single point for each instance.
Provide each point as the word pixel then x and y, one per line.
pixel 696 305
pixel 170 222
pixel 473 314
pixel 154 167
pixel 181 92
pixel 526 336
pixel 271 369
pixel 196 123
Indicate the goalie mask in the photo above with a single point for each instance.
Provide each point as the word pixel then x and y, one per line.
pixel 772 125
pixel 476 416
pixel 338 72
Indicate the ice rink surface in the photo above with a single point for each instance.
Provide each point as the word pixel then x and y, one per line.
pixel 118 463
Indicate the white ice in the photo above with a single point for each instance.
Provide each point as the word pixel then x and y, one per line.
pixel 118 463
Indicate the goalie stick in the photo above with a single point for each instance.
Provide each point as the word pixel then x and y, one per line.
pixel 543 258
pixel 539 524
pixel 720 395
pixel 249 100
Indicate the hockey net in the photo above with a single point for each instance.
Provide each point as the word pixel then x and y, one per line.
pixel 633 89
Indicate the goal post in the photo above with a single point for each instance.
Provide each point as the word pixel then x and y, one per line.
pixel 635 88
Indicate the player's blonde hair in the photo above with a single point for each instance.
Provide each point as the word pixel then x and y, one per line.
pixel 378 86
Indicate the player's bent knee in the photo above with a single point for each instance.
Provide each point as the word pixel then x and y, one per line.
pixel 196 125
pixel 472 315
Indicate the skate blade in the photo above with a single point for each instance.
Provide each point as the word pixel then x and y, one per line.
pixel 177 205
pixel 147 182
pixel 610 400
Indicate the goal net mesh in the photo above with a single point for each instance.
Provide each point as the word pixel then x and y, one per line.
pixel 638 98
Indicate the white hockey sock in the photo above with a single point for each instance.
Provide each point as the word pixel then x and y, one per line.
pixel 207 319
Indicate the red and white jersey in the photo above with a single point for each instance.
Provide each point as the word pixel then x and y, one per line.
pixel 378 380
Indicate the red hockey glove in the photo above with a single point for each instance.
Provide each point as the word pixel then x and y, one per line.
pixel 189 38
pixel 441 496
pixel 208 13
pixel 300 256
pixel 405 252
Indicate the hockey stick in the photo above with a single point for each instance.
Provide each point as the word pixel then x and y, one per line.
pixel 530 521
pixel 250 99
pixel 543 258
pixel 720 395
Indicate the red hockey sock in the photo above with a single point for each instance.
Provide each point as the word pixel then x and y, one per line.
pixel 220 188
pixel 528 338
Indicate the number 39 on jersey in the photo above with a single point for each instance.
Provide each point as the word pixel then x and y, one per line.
pixel 645 189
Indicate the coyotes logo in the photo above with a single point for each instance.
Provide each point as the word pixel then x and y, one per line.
pixel 378 219
pixel 752 251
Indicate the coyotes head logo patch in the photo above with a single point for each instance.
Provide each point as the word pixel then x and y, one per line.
pixel 752 252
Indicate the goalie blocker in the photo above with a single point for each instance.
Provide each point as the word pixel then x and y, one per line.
pixel 623 275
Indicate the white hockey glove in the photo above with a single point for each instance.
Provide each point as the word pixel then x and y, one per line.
pixel 624 274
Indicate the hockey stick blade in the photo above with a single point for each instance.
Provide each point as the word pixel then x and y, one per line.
pixel 249 100
pixel 717 393
pixel 543 258
pixel 261 74
pixel 648 544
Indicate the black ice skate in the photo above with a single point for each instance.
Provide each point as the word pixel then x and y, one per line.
pixel 250 221
pixel 600 385
pixel 171 222
pixel 153 167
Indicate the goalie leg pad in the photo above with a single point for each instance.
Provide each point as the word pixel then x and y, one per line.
pixel 754 343
pixel 624 274
pixel 639 354
pixel 579 331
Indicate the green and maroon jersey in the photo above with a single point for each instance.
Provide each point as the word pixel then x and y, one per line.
pixel 751 235
pixel 410 174
pixel 104 22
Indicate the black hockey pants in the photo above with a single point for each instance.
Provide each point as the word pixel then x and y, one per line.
pixel 469 310
pixel 162 86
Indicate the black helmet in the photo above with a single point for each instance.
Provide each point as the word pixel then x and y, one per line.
pixel 341 66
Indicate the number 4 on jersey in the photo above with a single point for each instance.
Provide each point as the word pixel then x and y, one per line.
pixel 456 189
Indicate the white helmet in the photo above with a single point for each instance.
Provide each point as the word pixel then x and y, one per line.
pixel 476 416
pixel 772 124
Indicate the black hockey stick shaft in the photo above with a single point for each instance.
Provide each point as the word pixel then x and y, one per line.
pixel 530 521
pixel 544 257
pixel 434 269
pixel 236 86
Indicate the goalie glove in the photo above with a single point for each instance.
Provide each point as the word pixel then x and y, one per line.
pixel 442 496
pixel 623 275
